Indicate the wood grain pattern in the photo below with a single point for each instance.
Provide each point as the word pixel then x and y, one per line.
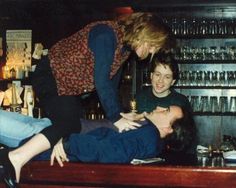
pixel 40 174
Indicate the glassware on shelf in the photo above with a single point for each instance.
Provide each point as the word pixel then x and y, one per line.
pixel 199 78
pixel 195 103
pixel 222 78
pixel 146 81
pixel 214 104
pixel 232 104
pixel 232 52
pixel 222 27
pixel 214 78
pixel 227 144
pixel 212 27
pixel 231 78
pixel 190 78
pixel 207 78
pixel 204 104
pixel 223 53
pixel 223 104
pixel 203 27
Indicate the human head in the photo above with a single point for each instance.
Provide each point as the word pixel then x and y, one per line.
pixel 145 33
pixel 184 134
pixel 165 118
pixel 164 73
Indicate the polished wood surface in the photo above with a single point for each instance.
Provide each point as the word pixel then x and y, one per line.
pixel 41 174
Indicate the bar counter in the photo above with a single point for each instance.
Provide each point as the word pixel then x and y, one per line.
pixel 41 174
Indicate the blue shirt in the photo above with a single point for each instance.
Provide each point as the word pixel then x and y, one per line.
pixel 105 145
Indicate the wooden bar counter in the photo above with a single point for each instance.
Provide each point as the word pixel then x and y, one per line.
pixel 41 174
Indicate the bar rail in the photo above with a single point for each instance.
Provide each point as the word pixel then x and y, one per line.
pixel 41 174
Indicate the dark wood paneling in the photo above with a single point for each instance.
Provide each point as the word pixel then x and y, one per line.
pixel 114 175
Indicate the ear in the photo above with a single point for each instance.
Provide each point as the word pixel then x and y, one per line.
pixel 151 75
pixel 173 82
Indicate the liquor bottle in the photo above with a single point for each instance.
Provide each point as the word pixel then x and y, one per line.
pixel 30 101
pixel 100 113
pixel 14 107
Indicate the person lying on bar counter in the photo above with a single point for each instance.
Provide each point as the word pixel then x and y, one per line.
pixel 87 61
pixel 90 59
pixel 104 144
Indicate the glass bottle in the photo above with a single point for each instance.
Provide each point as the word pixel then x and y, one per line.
pixel 227 144
pixel 14 107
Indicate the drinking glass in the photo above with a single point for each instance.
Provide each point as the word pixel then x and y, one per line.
pixel 214 78
pixel 214 104
pixel 195 103
pixel 222 78
pixel 204 104
pixel 232 104
pixel 223 104
pixel 207 78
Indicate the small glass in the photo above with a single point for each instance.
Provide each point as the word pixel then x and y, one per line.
pixel 214 104
pixel 204 104
pixel 223 104
pixel 232 104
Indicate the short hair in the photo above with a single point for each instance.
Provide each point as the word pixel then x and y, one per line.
pixel 146 27
pixel 165 59
pixel 184 133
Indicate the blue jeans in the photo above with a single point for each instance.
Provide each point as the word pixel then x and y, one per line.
pixel 15 127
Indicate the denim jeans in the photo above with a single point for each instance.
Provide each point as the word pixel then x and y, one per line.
pixel 15 127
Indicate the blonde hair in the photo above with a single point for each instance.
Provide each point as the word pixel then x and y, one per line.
pixel 144 27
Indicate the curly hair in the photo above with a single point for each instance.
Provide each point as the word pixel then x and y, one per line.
pixel 145 27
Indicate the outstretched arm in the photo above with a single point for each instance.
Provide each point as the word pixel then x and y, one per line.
pixel 102 42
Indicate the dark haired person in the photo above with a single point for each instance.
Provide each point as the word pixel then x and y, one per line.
pixel 107 145
pixel 164 73
pixel 89 60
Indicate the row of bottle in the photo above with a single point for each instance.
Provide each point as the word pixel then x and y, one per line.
pixel 94 112
pixel 15 72
pixel 201 26
pixel 196 53
pixel 207 78
pixel 198 78
pixel 12 100
pixel 213 104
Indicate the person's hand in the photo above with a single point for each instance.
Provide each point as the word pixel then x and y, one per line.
pixel 126 125
pixel 59 154
pixel 133 116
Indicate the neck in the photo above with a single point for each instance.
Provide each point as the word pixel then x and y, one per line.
pixel 160 95
pixel 158 128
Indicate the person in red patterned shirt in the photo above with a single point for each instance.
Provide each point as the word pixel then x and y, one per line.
pixel 89 60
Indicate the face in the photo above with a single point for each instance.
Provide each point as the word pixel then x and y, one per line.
pixel 164 118
pixel 144 50
pixel 162 80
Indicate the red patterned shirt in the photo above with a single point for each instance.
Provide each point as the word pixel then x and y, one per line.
pixel 72 61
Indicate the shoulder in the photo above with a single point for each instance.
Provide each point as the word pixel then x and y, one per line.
pixel 145 92
pixel 178 95
pixel 101 29
pixel 147 131
pixel 177 98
